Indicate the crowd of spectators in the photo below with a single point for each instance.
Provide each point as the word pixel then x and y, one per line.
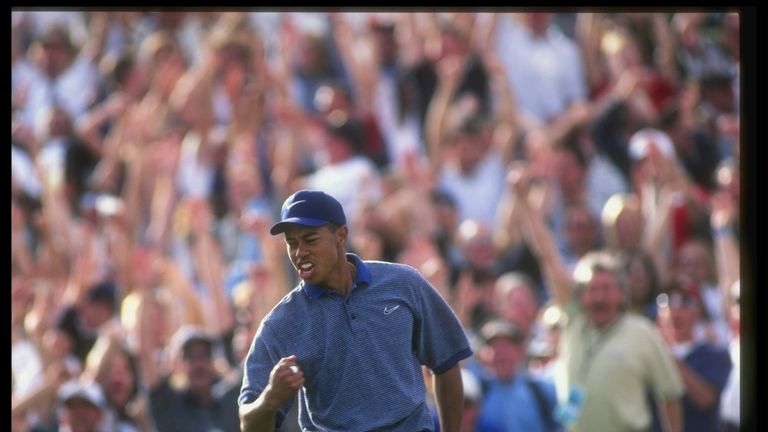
pixel 492 151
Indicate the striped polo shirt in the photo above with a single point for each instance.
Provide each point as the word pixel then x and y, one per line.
pixel 361 354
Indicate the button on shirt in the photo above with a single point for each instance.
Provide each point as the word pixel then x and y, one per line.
pixel 361 354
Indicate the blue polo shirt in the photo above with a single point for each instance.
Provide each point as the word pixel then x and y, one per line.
pixel 361 354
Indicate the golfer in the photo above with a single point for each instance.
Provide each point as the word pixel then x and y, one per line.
pixel 351 338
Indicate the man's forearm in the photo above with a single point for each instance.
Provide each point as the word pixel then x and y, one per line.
pixel 671 415
pixel 449 395
pixel 257 416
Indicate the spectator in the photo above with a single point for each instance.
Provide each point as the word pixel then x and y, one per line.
pixel 195 397
pixel 451 42
pixel 395 99
pixel 332 102
pixel 342 168
pixel 583 178
pixel 643 283
pixel 730 400
pixel 313 60
pixel 114 367
pixel 598 333
pixel 581 233
pixel 125 84
pixel 697 54
pixel 512 399
pixel 514 300
pixel 65 155
pixel 695 147
pixel 468 150
pixel 631 92
pixel 543 347
pixel 68 74
pixel 543 65
pixel 83 407
pixel 82 321
pixel 475 168
pixel 474 279
pixel 697 267
pixel 703 366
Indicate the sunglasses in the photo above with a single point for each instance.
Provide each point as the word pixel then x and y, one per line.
pixel 675 301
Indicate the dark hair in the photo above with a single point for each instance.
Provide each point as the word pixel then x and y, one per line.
pixel 349 130
pixel 471 126
pixel 570 144
pixel 123 67
pixel 104 292
pixel 443 197
pixel 715 80
pixel 650 269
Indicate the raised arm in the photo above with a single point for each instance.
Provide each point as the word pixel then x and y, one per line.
pixel 219 314
pixel 671 414
pixel 506 111
pixel 727 255
pixel 588 36
pixel 664 57
pixel 541 240
pixel 449 74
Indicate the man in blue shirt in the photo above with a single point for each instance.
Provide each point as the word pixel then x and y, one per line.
pixel 351 338
pixel 513 400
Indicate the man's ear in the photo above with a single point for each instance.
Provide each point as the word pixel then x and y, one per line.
pixel 341 235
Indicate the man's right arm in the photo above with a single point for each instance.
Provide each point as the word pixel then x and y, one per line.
pixel 671 413
pixel 259 415
pixel 285 380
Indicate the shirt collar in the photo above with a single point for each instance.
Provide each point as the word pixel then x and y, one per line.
pixel 362 276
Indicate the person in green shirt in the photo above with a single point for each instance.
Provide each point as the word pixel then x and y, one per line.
pixel 609 361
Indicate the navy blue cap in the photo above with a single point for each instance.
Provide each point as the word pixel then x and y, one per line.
pixel 309 208
pixel 104 292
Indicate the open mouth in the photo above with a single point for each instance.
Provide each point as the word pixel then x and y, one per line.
pixel 306 269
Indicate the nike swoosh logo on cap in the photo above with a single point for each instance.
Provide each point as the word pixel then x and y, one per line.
pixel 294 203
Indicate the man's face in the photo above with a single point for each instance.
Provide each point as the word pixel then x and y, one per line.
pixel 505 354
pixel 197 362
pixel 680 314
pixel 81 415
pixel 694 262
pixel 580 230
pixel 315 251
pixel 601 299
pixel 517 305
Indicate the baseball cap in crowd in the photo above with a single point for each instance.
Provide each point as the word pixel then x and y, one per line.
pixel 640 142
pixel 103 292
pixel 187 334
pixel 501 328
pixel 88 391
pixel 310 208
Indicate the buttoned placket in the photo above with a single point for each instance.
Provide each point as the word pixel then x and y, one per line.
pixel 352 318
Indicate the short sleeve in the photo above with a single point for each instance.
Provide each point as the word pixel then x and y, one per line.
pixel 664 377
pixel 440 339
pixel 258 365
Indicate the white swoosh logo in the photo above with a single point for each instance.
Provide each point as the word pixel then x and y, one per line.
pixel 389 310
pixel 294 203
